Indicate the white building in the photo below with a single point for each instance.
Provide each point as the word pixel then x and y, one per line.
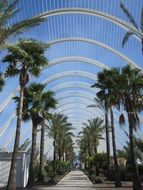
pixel 22 166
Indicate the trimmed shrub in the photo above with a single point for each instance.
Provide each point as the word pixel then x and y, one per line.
pixel 99 180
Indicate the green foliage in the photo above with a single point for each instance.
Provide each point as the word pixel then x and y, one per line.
pixel 96 179
pixel 135 30
pixel 8 11
pixel 49 169
pixel 100 159
pixel 26 56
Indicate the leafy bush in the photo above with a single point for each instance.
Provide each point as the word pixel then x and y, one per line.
pixel 60 172
pixel 92 178
pixel 95 179
pixel 49 169
pixel 99 180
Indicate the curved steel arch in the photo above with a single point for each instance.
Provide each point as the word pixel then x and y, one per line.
pixel 68 96
pixel 77 114
pixel 66 108
pixel 71 108
pixel 68 111
pixel 69 73
pixel 77 59
pixel 113 19
pixel 70 102
pixel 100 44
pixel 6 125
pixel 65 85
pixel 75 91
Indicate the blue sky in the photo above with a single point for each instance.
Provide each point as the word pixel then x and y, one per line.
pixel 74 26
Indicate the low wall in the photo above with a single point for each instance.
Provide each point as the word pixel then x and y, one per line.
pixel 22 168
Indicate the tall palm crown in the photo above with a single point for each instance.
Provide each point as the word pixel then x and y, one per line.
pixel 25 57
pixel 136 30
pixel 57 122
pixel 57 129
pixel 37 102
pixel 94 129
pixel 7 30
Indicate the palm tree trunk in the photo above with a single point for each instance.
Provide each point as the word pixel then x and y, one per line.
pixel 116 166
pixel 41 167
pixel 12 175
pixel 107 144
pixel 31 178
pixel 136 177
pixel 54 156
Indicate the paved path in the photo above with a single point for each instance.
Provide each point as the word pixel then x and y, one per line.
pixel 75 180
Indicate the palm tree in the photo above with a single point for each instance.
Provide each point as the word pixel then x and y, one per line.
pixel 105 86
pixel 68 147
pixel 130 98
pixel 58 125
pixel 136 30
pixel 8 11
pixel 64 133
pixel 95 129
pixel 125 87
pixel 50 102
pixel 24 58
pixel 102 104
pixel 36 107
pixel 89 138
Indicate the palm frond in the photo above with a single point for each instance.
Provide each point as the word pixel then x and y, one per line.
pixel 92 106
pixel 9 12
pixel 12 6
pixel 24 25
pixel 8 15
pixel 129 15
pixel 16 50
pixel 3 5
pixel 127 36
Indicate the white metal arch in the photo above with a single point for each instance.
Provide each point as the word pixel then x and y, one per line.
pixel 77 59
pixel 71 107
pixel 113 19
pixel 68 96
pixel 71 92
pixel 70 73
pixel 100 44
pixel 69 111
pixel 6 125
pixel 65 85
pixel 78 114
pixel 72 102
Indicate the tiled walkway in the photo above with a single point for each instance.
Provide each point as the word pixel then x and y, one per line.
pixel 75 180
